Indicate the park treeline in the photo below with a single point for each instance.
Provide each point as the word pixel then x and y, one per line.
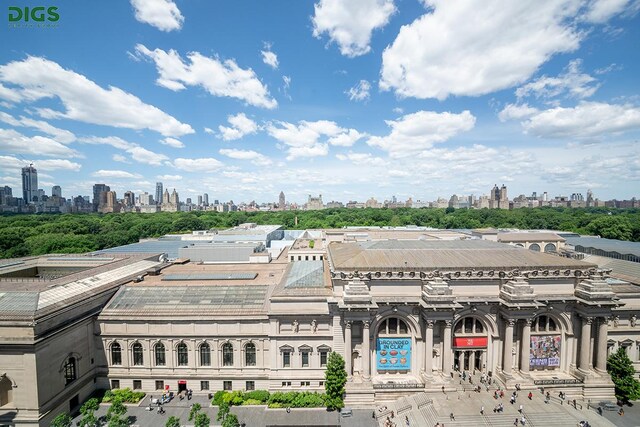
pixel 22 235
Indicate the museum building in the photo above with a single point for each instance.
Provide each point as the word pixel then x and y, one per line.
pixel 406 314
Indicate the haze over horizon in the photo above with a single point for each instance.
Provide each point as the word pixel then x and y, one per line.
pixel 348 99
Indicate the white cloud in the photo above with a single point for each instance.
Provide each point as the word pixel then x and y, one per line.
pixel 12 141
pixel 198 165
pixel 10 94
pixel 84 100
pixel 269 57
pixel 350 23
pixel 304 139
pixel 219 78
pixel 255 157
pixel 586 120
pixel 138 153
pixel 359 92
pixel 241 125
pixel 362 159
pixel 162 14
pixel 120 158
pixel 459 48
pixel 209 130
pixel 600 11
pixel 575 83
pixel 285 87
pixel 169 177
pixel 172 142
pixel 418 131
pixel 398 110
pixel 516 111
pixel 57 164
pixel 115 174
pixel 60 135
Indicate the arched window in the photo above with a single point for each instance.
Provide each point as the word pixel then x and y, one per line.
pixel 544 324
pixel 250 354
pixel 183 354
pixel 161 359
pixel 6 391
pixel 227 354
pixel 393 326
pixel 116 354
pixel 549 247
pixel 138 358
pixel 469 326
pixel 534 247
pixel 205 355
pixel 70 373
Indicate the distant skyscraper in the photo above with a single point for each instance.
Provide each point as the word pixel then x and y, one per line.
pixel 503 194
pixel 97 190
pixel 199 200
pixel 281 201
pixel 129 198
pixel 158 193
pixel 205 199
pixel 29 184
pixel 6 193
pixel 56 190
pixel 146 199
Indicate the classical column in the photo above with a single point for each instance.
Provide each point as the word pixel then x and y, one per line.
pixel 585 344
pixel 446 348
pixel 428 349
pixel 472 361
pixel 348 353
pixel 525 346
pixel 601 359
pixel 507 359
pixel 366 352
pixel 460 360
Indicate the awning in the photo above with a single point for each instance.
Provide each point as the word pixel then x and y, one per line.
pixel 182 381
pixel 480 342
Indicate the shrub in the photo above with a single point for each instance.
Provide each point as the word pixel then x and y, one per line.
pixel 217 398
pixel 125 395
pixel 261 395
pixel 252 402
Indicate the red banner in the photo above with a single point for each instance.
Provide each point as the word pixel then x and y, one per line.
pixel 480 342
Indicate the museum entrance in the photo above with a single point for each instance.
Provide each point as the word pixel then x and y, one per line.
pixel 470 345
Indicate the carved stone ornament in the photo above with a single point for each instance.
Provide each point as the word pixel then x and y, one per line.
pixel 633 320
pixel 295 326
pixel 314 326
pixel 616 321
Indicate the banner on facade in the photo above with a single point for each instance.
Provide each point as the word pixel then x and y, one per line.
pixel 393 354
pixel 479 342
pixel 545 351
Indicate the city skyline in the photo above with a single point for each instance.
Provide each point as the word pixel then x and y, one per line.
pixel 377 99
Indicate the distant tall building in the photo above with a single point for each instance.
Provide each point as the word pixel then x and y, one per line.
pixel 158 192
pixel 199 200
pixel 56 191
pixel 281 201
pixel 174 198
pixel 29 184
pixel 146 199
pixel 503 195
pixel 205 199
pixel 314 203
pixel 97 190
pixel 590 200
pixel 129 198
pixel 6 194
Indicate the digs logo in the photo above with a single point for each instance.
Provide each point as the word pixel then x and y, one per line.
pixel 39 16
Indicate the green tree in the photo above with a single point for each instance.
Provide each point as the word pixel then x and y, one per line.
pixel 173 422
pixel 88 410
pixel 202 420
pixel 62 420
pixel 335 380
pixel 223 410
pixel 231 421
pixel 622 373
pixel 195 408
pixel 611 227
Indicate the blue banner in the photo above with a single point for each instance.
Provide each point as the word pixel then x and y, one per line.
pixel 393 354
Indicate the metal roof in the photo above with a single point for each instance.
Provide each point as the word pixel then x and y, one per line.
pixel 167 246
pixel 529 237
pixel 305 274
pixel 179 299
pixel 621 269
pixel 607 245
pixel 18 302
pixel 210 276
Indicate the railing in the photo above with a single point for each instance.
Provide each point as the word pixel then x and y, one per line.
pixel 558 382
pixel 392 386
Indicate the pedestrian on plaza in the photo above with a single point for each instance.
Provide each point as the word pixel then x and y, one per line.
pixel 482 410
pixel 392 414
pixel 575 404
pixel 288 410
pixel 520 409
pixel 451 417
pixel 530 395
pixel 515 423
pixel 621 412
pixel 406 419
pixel 523 421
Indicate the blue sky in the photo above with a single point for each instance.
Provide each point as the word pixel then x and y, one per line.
pixel 350 99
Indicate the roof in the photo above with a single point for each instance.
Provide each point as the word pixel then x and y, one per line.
pixel 529 237
pixel 628 271
pixel 185 300
pixel 441 254
pixel 607 245
pixel 306 279
pixel 165 245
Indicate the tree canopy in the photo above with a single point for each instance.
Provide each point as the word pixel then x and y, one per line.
pixel 622 374
pixel 37 234
pixel 335 380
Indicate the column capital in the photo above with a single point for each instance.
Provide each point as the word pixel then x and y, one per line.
pixel 510 322
pixel 528 321
pixel 430 324
pixel 347 324
pixel 448 323
pixel 366 324
pixel 588 319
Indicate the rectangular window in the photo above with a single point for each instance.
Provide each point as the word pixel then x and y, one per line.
pixel 305 383
pixel 159 385
pixel 306 257
pixel 305 359
pixel 137 384
pixel 323 358
pixel 320 257
pixel 314 257
pixel 321 383
pixel 227 385
pixel 286 383
pixel 115 383
pixel 250 385
pixel 204 385
pixel 286 359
